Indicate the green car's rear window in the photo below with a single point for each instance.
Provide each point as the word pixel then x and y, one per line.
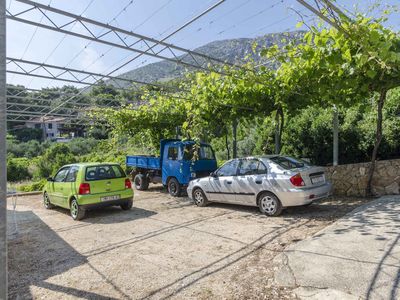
pixel 102 172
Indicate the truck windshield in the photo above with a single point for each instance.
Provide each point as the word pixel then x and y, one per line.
pixel 204 152
pixel 104 172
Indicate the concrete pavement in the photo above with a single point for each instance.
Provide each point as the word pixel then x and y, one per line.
pixel 357 257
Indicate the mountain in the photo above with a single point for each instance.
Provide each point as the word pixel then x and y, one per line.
pixel 232 51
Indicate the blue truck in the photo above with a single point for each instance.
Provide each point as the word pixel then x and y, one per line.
pixel 178 163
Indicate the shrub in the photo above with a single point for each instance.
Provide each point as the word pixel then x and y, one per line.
pixel 53 159
pixel 18 169
pixel 33 187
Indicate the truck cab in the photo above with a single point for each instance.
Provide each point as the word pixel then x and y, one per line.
pixel 178 163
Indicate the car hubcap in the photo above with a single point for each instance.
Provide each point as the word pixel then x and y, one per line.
pixel 268 204
pixel 198 196
pixel 46 200
pixel 74 209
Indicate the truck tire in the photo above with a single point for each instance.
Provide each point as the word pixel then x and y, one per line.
pixel 141 182
pixel 174 187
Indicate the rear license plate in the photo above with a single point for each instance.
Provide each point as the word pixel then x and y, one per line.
pixel 110 198
pixel 317 179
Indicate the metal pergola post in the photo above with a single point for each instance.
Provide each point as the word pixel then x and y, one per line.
pixel 3 162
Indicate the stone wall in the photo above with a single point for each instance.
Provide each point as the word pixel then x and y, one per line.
pixel 351 179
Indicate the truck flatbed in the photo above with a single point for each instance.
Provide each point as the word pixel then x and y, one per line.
pixel 144 161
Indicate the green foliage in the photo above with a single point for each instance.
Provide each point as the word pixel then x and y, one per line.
pixel 33 187
pixel 29 149
pixel 82 146
pixel 28 134
pixel 18 169
pixel 53 159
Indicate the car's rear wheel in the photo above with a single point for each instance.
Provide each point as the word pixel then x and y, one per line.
pixel 77 211
pixel 199 197
pixel 141 182
pixel 46 201
pixel 174 187
pixel 127 205
pixel 269 204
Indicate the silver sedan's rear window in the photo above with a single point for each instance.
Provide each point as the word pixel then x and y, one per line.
pixel 288 162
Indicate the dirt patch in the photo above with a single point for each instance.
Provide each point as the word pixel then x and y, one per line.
pixel 163 248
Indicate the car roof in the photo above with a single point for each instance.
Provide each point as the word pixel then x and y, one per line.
pixel 89 164
pixel 186 142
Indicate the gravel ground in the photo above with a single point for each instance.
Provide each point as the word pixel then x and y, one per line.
pixel 163 248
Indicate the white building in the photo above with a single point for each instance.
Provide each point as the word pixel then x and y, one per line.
pixel 50 125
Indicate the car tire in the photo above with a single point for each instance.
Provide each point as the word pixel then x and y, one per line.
pixel 141 182
pixel 127 205
pixel 174 187
pixel 77 211
pixel 199 197
pixel 46 201
pixel 269 204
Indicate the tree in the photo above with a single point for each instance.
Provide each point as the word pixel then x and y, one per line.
pixel 343 67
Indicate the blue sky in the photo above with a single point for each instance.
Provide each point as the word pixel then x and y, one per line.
pixel 154 18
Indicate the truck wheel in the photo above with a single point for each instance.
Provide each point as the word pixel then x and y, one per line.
pixel 174 187
pixel 141 182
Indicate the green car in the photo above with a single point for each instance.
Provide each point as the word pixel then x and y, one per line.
pixel 80 187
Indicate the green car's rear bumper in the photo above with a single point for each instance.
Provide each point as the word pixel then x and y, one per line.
pixel 107 203
pixel 94 200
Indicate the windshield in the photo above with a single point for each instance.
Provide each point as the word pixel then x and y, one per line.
pixel 288 162
pixel 204 152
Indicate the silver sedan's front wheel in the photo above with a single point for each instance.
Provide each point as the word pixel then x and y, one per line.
pixel 269 204
pixel 199 198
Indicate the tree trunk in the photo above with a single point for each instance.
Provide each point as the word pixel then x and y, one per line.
pixel 279 122
pixel 378 139
pixel 234 138
pixel 227 145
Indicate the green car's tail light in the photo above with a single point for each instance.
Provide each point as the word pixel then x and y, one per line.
pixel 128 184
pixel 84 189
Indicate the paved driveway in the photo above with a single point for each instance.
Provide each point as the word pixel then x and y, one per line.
pixel 163 248
pixel 358 256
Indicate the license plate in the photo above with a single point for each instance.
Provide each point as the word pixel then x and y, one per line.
pixel 110 198
pixel 317 179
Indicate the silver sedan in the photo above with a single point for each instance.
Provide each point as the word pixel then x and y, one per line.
pixel 270 182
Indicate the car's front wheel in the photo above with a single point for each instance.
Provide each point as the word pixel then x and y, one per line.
pixel 77 211
pixel 46 201
pixel 127 205
pixel 199 198
pixel 269 204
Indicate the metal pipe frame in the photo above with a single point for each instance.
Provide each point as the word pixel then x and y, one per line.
pixel 54 72
pixel 3 155
pixel 113 37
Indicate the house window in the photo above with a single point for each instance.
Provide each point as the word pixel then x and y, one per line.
pixel 50 126
pixel 37 126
